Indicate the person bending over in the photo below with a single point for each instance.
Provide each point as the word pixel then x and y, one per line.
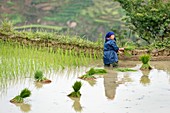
pixel 110 50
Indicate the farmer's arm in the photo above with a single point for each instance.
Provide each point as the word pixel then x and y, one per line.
pixel 114 45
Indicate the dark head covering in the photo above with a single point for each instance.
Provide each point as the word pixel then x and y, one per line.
pixel 108 35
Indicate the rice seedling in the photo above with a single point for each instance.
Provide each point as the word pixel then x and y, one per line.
pixel 87 77
pixel 39 77
pixel 93 71
pixel 125 69
pixel 20 98
pixel 89 74
pixel 129 48
pixel 145 62
pixel 18 57
pixel 126 53
pixel 76 87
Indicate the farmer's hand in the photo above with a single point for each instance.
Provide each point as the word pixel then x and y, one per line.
pixel 121 49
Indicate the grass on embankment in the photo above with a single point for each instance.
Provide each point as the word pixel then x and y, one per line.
pixel 7 32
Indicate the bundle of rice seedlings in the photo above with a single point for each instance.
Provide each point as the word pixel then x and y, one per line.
pixel 145 62
pixel 99 71
pixel 39 77
pixel 127 49
pixel 20 98
pixel 89 74
pixel 76 87
pixel 87 77
pixel 125 69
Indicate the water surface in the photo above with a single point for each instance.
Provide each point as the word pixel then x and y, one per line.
pixel 119 92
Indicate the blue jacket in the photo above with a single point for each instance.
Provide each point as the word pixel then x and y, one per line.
pixel 110 52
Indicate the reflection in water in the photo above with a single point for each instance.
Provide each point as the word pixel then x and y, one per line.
pixel 126 79
pixel 112 81
pixel 76 105
pixel 110 84
pixel 38 85
pixel 130 97
pixel 24 107
pixel 91 82
pixel 145 80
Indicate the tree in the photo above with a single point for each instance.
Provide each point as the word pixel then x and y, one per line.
pixel 150 19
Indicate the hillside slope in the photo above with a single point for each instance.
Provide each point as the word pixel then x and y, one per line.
pixel 86 18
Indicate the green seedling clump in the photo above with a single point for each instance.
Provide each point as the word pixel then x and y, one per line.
pixel 39 77
pixel 127 49
pixel 20 98
pixel 87 77
pixel 145 62
pixel 125 69
pixel 89 74
pixel 98 71
pixel 76 87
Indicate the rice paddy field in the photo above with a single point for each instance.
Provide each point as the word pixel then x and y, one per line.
pixel 17 61
pixel 122 92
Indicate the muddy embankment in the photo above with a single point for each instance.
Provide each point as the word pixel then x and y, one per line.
pixel 54 44
pixel 156 54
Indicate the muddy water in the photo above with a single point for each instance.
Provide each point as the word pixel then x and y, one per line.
pixel 119 92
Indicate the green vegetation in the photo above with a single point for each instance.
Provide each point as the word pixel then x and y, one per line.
pixel 87 77
pixel 93 71
pixel 7 30
pixel 16 60
pixel 76 87
pixel 95 16
pixel 125 69
pixel 145 61
pixel 20 98
pixel 89 15
pixel 68 11
pixel 23 51
pixel 40 28
pixel 89 74
pixel 6 26
pixel 15 18
pixel 143 17
pixel 39 77
pixel 129 47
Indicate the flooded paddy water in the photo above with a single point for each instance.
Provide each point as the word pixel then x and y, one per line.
pixel 120 92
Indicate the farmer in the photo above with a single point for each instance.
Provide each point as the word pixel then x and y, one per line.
pixel 110 50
